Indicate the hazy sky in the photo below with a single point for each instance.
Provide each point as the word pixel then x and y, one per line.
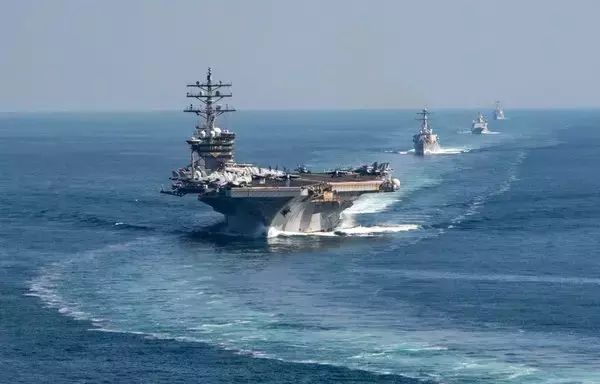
pixel 300 54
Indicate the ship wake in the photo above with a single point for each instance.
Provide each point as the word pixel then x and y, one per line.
pixel 441 151
pixel 261 308
pixel 358 231
pixel 448 151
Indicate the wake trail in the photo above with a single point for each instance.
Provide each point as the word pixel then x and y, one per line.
pixel 359 231
pixel 479 201
pixel 441 151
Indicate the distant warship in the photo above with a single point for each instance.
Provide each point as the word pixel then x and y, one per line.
pixel 425 141
pixel 255 199
pixel 480 125
pixel 498 112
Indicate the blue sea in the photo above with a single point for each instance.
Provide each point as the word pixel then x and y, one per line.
pixel 483 268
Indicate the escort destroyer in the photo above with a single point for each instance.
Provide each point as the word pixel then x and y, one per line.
pixel 425 141
pixel 480 125
pixel 498 112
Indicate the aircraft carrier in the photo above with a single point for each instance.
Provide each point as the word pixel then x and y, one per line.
pixel 256 199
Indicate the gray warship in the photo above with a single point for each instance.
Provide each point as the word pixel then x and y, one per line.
pixel 425 141
pixel 255 199
pixel 498 112
pixel 480 125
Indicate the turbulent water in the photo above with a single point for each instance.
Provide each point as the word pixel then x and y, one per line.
pixel 482 269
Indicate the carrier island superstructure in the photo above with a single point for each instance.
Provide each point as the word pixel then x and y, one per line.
pixel 255 199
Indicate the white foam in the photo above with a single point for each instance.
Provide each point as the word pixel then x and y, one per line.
pixel 344 231
pixel 360 230
pixel 449 151
pixel 440 151
pixel 372 203
pixel 483 133
pixel 522 371
pixel 273 232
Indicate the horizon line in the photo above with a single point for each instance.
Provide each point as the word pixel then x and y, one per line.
pixel 130 111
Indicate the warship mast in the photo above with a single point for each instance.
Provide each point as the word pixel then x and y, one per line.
pixel 425 127
pixel 211 147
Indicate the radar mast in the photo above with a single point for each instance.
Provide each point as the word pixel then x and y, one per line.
pixel 209 94
pixel 211 147
pixel 425 127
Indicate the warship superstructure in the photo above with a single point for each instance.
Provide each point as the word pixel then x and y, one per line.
pixel 480 125
pixel 255 199
pixel 425 141
pixel 498 112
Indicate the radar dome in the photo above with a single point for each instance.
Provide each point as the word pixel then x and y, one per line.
pixel 217 130
pixel 203 133
pixel 212 134
pixel 396 183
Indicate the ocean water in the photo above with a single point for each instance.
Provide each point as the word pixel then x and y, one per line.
pixel 483 269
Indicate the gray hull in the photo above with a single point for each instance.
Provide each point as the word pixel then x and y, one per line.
pixel 255 216
pixel 421 148
pixel 479 131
